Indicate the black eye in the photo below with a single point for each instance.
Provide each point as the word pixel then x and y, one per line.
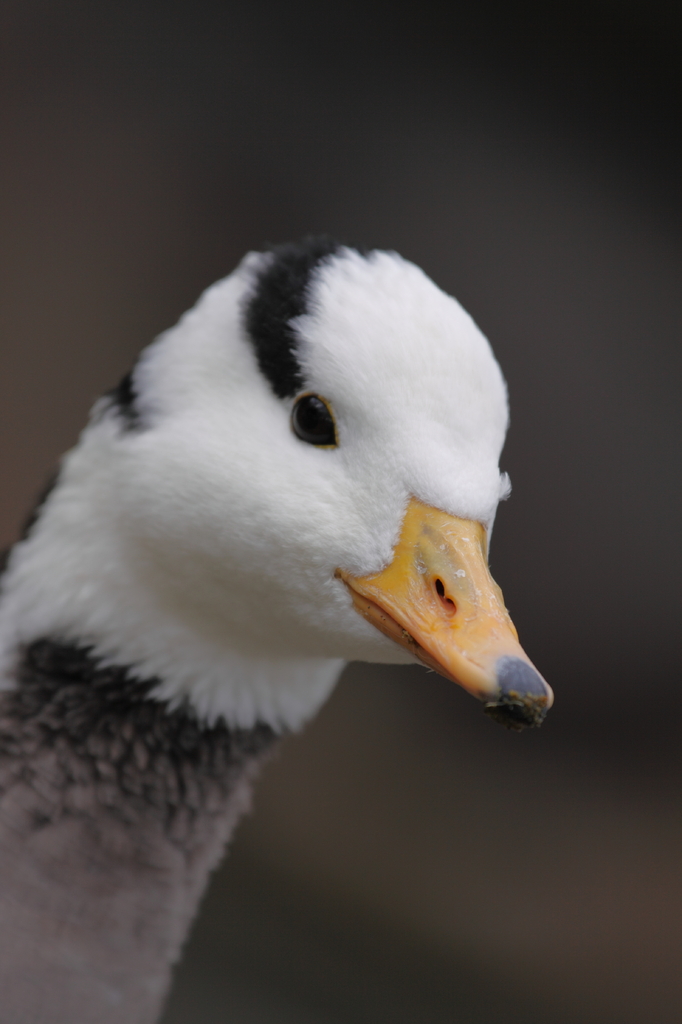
pixel 312 421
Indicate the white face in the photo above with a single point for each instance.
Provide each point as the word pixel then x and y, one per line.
pixel 210 537
pixel 232 512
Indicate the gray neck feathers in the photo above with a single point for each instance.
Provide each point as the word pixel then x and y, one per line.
pixel 113 811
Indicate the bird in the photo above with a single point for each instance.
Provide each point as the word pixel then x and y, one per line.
pixel 303 472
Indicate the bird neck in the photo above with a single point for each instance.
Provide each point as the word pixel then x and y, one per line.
pixel 113 811
pixel 79 575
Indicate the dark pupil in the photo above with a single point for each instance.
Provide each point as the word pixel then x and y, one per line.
pixel 312 421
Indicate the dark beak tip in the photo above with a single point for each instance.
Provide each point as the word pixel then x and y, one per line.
pixel 515 676
pixel 524 696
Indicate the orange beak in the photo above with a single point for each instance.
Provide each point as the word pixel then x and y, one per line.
pixel 437 599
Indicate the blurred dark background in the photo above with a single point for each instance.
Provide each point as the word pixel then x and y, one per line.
pixel 408 860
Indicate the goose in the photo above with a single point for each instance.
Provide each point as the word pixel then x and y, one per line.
pixel 302 472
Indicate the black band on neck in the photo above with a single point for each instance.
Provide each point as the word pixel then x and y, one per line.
pixel 108 736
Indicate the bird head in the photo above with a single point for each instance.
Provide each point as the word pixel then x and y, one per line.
pixel 302 472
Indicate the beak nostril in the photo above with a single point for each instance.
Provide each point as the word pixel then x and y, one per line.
pixel 447 601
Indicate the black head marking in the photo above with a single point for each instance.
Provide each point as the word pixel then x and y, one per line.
pixel 280 296
pixel 123 398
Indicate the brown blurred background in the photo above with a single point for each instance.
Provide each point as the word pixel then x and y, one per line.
pixel 408 860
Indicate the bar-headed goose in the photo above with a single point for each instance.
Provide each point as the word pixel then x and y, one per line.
pixel 302 472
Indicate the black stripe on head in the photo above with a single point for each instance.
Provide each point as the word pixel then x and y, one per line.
pixel 280 296
pixel 123 399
